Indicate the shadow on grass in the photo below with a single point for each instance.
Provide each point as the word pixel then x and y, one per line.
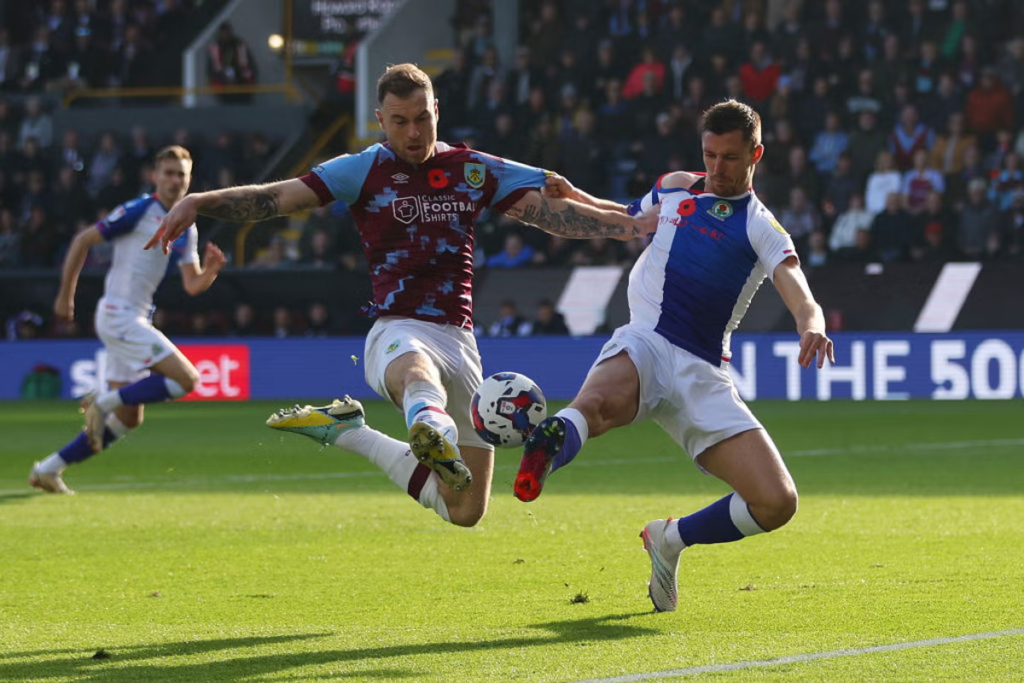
pixel 141 663
pixel 12 497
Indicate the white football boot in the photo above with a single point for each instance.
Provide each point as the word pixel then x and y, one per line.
pixel 662 588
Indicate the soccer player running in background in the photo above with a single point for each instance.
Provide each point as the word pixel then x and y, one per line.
pixel 414 200
pixel 715 243
pixel 143 366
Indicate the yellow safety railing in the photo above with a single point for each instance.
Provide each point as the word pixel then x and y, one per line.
pixel 299 168
pixel 287 89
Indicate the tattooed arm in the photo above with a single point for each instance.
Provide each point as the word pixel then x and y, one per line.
pixel 237 204
pixel 574 220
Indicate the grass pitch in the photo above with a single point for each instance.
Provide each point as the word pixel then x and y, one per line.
pixel 207 548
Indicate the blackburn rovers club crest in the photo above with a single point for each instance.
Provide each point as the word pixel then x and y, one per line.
pixel 721 210
pixel 476 174
pixel 406 209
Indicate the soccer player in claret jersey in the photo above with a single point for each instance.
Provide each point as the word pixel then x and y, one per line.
pixel 143 366
pixel 414 200
pixel 714 244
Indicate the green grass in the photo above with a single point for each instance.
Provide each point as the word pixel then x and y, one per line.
pixel 208 548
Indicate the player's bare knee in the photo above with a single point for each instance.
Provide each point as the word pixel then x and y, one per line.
pixel 467 515
pixel 776 509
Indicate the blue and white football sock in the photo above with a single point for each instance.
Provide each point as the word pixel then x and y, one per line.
pixel 425 402
pixel 724 521
pixel 576 432
pixel 78 449
pixel 395 459
pixel 153 389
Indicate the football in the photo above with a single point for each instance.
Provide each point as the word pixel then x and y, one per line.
pixel 506 408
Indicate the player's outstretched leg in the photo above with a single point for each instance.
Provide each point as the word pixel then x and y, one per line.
pixel 343 424
pixel 551 445
pixel 323 424
pixel 47 475
pixel 153 389
pixel 664 565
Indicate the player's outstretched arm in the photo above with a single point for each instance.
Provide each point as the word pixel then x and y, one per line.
pixel 237 204
pixel 559 187
pixel 810 322
pixel 197 279
pixel 574 220
pixel 64 305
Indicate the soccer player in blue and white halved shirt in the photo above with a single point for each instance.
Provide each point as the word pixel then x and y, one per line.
pixel 143 366
pixel 714 245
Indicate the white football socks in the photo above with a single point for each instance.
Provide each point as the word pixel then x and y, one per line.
pixel 395 459
pixel 425 402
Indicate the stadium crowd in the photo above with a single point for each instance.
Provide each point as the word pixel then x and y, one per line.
pixel 893 130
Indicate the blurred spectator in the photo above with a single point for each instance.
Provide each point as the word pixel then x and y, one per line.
pixel 995 159
pixel 545 36
pixel 862 251
pixel 70 201
pixel 103 163
pixel 875 31
pixel 1008 181
pixel 891 230
pixel 514 255
pixel 275 255
pixel 919 182
pixel 521 79
pixel 639 80
pixel 542 146
pixel 116 191
pixel 201 325
pixel 452 88
pixel 841 186
pixel 582 154
pixel 230 63
pixel 884 181
pixel 549 322
pixel 284 325
pixel 935 214
pixel 926 69
pixel 70 154
pixel 814 108
pixel 909 136
pixel 486 73
pixel 509 323
pixel 800 218
pixel 866 142
pixel 320 253
pixel 958 26
pixel 817 250
pixel 243 322
pixel 829 144
pixel 800 175
pixel 129 60
pixel 977 220
pixel 24 325
pixel 989 106
pixel 10 240
pixel 503 140
pixel 1011 227
pixel 39 64
pixel 968 68
pixel 681 67
pixel 947 156
pixel 9 65
pixel 844 231
pixel 938 246
pixel 599 252
pixel 38 240
pixel 36 124
pixel 946 101
pixel 318 323
pixel 891 68
pixel 865 96
pixel 759 75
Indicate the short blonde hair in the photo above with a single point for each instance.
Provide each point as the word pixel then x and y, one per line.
pixel 172 152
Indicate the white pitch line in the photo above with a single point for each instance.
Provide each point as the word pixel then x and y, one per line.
pixel 811 656
pixel 266 478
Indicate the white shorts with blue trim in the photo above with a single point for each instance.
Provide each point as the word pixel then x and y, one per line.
pixel 452 350
pixel 133 344
pixel 691 399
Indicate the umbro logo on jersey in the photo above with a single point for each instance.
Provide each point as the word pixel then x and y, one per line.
pixel 400 178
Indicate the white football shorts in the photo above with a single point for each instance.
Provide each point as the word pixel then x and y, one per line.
pixel 691 399
pixel 453 351
pixel 133 344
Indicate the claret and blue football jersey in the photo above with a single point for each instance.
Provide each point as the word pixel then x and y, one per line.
pixel 416 222
pixel 695 281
